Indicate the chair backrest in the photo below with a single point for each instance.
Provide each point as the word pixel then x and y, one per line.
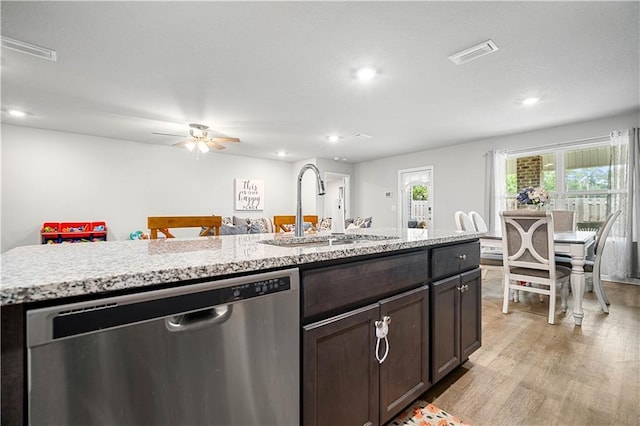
pixel 463 222
pixel 163 223
pixel 280 222
pixel 603 232
pixel 478 222
pixel 528 240
pixel 564 220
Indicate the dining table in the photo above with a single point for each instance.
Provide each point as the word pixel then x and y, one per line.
pixel 573 243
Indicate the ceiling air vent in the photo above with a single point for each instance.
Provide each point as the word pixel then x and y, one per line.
pixel 473 52
pixel 29 49
pixel 363 136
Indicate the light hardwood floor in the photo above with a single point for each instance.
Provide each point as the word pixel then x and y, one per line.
pixel 529 372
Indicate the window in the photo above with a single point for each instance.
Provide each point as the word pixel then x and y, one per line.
pixel 576 178
pixel 420 193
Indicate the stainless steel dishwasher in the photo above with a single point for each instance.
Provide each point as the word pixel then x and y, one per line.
pixel 217 353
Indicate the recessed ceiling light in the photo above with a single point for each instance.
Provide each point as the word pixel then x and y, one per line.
pixel 366 73
pixel 282 153
pixel 334 138
pixel 16 113
pixel 530 101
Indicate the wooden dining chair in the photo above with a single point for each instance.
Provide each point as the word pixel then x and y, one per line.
pixel 529 257
pixel 282 223
pixel 163 223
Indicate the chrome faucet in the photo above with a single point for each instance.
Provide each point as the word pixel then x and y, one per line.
pixel 320 184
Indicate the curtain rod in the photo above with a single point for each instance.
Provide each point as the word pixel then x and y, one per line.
pixel 558 145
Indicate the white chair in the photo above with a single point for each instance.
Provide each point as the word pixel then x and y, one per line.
pixel 489 259
pixel 463 222
pixel 594 265
pixel 528 257
pixel 564 220
pixel 478 222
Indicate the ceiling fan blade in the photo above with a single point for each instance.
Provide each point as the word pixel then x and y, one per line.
pixel 224 139
pixel 182 143
pixel 215 145
pixel 167 134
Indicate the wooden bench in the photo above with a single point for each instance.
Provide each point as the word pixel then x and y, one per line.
pixel 280 222
pixel 163 223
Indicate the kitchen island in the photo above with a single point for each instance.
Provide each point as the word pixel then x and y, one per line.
pixel 41 276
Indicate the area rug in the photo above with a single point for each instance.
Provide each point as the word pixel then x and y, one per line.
pixel 424 414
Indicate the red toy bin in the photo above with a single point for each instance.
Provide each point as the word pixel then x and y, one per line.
pixel 98 229
pixel 75 229
pixel 50 229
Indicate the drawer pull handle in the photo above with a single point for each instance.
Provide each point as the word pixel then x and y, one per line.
pixel 462 257
pixel 463 288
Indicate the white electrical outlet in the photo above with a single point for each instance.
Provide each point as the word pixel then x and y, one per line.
pixel 393 208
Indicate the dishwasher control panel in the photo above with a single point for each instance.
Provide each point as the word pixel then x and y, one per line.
pixel 259 288
pixel 60 322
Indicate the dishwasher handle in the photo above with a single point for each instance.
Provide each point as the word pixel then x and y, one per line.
pixel 198 320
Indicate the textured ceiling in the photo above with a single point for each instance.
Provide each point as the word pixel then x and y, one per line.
pixel 279 75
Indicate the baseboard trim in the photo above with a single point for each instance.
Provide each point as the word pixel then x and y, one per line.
pixel 632 281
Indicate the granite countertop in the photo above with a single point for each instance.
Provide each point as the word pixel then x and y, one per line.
pixel 45 272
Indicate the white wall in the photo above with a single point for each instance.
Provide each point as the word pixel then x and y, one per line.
pixel 52 176
pixel 460 170
pixel 57 176
pixel 326 165
pixel 312 204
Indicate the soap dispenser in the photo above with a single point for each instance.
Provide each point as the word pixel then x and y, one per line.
pixel 337 220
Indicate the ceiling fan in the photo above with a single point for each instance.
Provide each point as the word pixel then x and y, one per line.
pixel 199 138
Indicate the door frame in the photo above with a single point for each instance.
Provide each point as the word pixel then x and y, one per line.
pixel 346 178
pixel 400 200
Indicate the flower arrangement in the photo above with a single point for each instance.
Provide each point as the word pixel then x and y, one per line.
pixel 536 196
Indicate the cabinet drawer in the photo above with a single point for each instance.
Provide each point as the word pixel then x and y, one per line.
pixel 451 260
pixel 335 288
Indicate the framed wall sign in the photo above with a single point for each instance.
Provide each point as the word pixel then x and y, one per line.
pixel 249 194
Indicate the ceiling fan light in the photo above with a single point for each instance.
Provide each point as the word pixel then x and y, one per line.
pixel 202 147
pixel 190 145
pixel 17 113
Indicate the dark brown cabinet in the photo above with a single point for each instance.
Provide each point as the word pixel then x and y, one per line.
pixel 343 382
pixel 404 375
pixel 457 321
pixel 433 329
pixel 340 373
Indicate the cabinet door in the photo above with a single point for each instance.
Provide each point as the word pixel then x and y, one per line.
pixel 470 313
pixel 404 375
pixel 340 371
pixel 445 331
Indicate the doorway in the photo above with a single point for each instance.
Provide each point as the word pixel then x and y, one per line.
pixel 415 197
pixel 337 185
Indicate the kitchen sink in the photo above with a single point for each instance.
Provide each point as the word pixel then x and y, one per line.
pixel 326 240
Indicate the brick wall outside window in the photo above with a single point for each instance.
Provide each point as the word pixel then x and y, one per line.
pixel 529 171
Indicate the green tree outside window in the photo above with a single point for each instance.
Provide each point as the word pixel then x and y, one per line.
pixel 420 193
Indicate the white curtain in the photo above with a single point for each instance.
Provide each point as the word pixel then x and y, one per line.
pixel 497 185
pixel 621 253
